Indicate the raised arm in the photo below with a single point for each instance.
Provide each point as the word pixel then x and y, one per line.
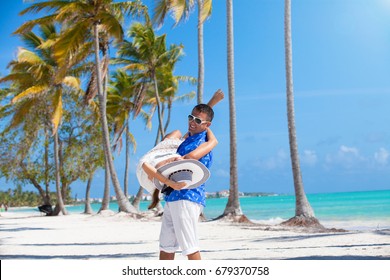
pixel 218 96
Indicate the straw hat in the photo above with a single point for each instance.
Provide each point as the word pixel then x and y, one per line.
pixel 190 171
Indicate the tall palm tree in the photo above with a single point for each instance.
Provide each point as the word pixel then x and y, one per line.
pixel 233 207
pixel 90 94
pixel 121 93
pixel 85 20
pixel 151 64
pixel 304 214
pixel 181 11
pixel 147 56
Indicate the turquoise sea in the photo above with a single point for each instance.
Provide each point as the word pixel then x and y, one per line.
pixel 370 208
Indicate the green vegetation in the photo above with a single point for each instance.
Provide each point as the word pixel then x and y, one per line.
pixel 56 129
pixel 19 198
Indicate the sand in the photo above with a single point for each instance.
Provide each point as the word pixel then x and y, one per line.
pixel 31 236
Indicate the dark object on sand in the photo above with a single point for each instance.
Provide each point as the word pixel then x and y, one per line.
pixel 47 209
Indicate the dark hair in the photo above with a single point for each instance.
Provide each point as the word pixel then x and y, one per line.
pixel 204 108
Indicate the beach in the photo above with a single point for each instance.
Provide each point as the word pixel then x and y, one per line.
pixel 117 236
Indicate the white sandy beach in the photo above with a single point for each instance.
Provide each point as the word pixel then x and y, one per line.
pixel 117 236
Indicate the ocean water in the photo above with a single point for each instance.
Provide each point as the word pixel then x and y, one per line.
pixel 346 206
pixel 370 208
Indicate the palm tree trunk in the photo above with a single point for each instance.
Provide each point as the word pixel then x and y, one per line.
pixel 88 208
pixel 159 109
pixel 169 109
pixel 60 203
pixel 127 162
pixel 233 205
pixel 45 197
pixel 200 54
pixel 138 198
pixel 47 188
pixel 123 202
pixel 304 214
pixel 106 195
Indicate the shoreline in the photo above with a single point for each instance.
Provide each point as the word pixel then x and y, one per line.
pixel 118 236
pixel 361 224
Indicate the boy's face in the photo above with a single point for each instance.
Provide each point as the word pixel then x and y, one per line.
pixel 193 126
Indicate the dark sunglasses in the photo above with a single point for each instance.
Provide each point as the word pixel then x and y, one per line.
pixel 196 120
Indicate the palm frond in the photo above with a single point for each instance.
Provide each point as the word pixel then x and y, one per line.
pixel 178 9
pixel 20 113
pixel 30 39
pixel 74 11
pixel 72 82
pixel 47 44
pixel 29 25
pixel 25 55
pixel 48 6
pixel 160 11
pixel 147 119
pixel 206 10
pixel 18 78
pixel 111 24
pixel 133 8
pixel 30 92
pixel 70 41
pixel 48 31
pixel 132 141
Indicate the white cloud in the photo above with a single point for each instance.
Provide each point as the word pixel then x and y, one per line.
pixel 346 157
pixel 344 150
pixel 382 156
pixel 309 157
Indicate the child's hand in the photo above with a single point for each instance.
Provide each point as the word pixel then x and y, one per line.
pixel 178 158
pixel 176 185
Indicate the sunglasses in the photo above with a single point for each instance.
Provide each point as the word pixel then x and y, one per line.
pixel 196 120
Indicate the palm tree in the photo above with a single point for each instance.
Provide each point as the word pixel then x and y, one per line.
pixel 91 92
pixel 151 66
pixel 233 208
pixel 304 214
pixel 181 11
pixel 86 20
pixel 123 89
pixel 147 56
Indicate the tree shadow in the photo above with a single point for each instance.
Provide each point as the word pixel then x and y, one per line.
pixel 22 229
pixel 83 244
pixel 345 257
pixel 81 257
pixel 303 236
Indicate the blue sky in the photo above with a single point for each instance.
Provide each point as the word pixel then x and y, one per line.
pixel 341 64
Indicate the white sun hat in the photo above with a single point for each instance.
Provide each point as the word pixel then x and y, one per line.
pixel 191 171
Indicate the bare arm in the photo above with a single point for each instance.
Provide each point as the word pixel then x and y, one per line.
pixel 218 96
pixel 203 148
pixel 153 173
pixel 199 152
